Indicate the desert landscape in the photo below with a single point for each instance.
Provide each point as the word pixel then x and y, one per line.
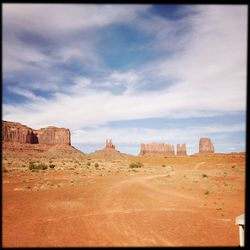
pixel 55 195
pixel 124 125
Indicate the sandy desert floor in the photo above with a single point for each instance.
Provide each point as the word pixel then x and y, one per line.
pixel 175 201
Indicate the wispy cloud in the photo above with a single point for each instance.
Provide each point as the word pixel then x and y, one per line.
pixel 196 66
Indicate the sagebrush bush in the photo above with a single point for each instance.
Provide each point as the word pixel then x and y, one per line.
pixel 38 166
pixel 136 164
pixel 96 165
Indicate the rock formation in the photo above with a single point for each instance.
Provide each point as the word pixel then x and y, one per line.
pixel 109 144
pixel 109 149
pixel 206 146
pixel 157 149
pixel 20 139
pixel 53 136
pixel 181 150
pixel 17 133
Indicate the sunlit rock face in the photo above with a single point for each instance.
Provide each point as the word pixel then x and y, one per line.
pixel 206 146
pixel 157 149
pixel 181 150
pixel 15 132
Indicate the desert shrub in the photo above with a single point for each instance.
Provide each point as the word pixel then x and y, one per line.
pixel 38 166
pixel 96 165
pixel 52 165
pixel 204 175
pixel 163 165
pixel 206 192
pixel 136 164
pixel 88 163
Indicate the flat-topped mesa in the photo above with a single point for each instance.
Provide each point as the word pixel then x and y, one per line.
pixel 157 149
pixel 53 136
pixel 14 132
pixel 206 146
pixel 181 150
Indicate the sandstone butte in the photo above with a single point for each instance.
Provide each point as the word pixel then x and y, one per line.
pixel 157 149
pixel 16 136
pixel 109 149
pixel 206 146
pixel 181 150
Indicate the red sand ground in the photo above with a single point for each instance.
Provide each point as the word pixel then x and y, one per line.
pixel 184 201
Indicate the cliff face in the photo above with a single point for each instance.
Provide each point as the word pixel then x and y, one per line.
pixel 53 136
pixel 206 146
pixel 157 149
pixel 181 150
pixel 18 133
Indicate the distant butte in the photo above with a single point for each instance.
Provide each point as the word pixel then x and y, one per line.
pixel 19 137
pixel 109 149
pixel 181 150
pixel 157 149
pixel 206 146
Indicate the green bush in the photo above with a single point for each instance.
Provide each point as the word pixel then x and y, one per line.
pixel 38 166
pixel 136 164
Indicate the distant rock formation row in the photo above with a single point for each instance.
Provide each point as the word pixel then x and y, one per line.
pixel 205 147
pixel 18 133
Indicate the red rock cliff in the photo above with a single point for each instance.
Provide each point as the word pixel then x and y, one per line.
pixel 157 149
pixel 17 133
pixel 206 146
pixel 53 136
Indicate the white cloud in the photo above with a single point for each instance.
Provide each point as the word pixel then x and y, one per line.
pixel 60 25
pixel 208 66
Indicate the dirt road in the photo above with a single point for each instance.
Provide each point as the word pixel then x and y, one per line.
pixel 112 211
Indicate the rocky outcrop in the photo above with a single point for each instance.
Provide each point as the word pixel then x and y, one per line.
pixel 13 132
pixel 109 149
pixel 157 149
pixel 181 150
pixel 109 144
pixel 206 146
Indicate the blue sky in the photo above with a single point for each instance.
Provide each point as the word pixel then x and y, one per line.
pixel 132 73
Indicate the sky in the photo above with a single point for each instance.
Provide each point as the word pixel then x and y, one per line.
pixel 133 73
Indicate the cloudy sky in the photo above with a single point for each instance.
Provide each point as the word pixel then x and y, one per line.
pixel 133 73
